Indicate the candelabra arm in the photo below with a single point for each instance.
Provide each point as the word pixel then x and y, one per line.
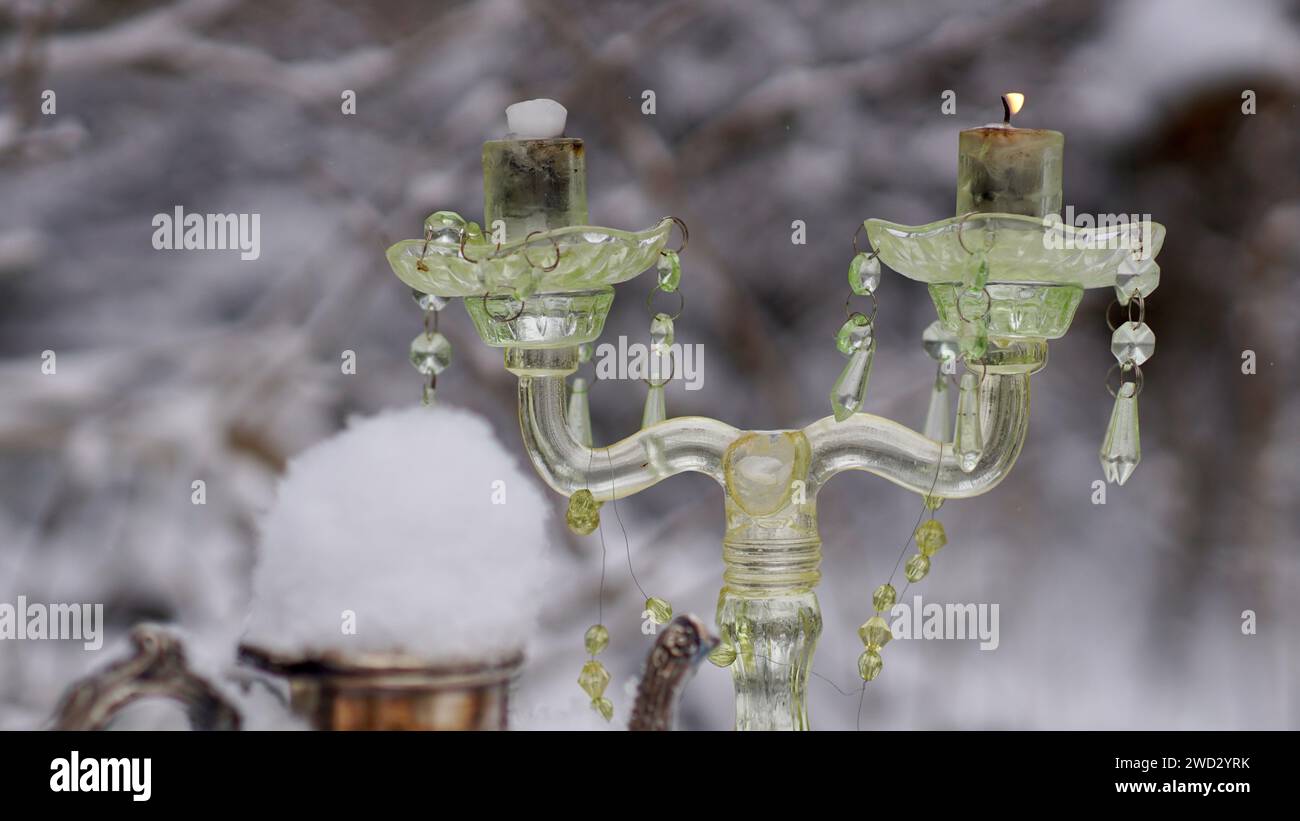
pixel 686 443
pixel 907 458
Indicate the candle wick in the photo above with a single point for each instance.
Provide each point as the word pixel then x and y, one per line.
pixel 1006 111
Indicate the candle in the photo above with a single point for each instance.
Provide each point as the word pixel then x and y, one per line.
pixel 1010 170
pixel 535 179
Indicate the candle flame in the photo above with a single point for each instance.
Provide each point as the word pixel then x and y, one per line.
pixel 1014 101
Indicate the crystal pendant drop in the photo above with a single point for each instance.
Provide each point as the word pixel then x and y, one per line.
pixel 855 334
pixel 579 415
pixel 938 422
pixel 430 353
pixel 428 302
pixel 864 274
pixel 603 706
pixel 444 227
pixel 917 567
pixel 661 333
pixel 661 612
pixel 850 391
pixel 870 664
pixel 596 639
pixel 930 537
pixel 724 655
pixel 1133 342
pixel 1140 275
pixel 583 513
pixel 656 409
pixel 1121 451
pixel 939 343
pixel 968 442
pixel 593 679
pixel 884 597
pixel 875 633
pixel 670 271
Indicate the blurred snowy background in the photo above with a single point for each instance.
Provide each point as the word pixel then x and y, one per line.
pixel 174 366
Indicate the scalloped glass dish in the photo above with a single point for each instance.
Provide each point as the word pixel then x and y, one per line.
pixel 590 258
pixel 1025 249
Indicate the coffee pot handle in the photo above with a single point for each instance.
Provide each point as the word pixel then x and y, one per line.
pixel 157 669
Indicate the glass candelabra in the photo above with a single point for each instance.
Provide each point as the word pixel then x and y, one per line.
pixel 546 292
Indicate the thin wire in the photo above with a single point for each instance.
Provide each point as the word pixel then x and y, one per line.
pixel 600 599
pixel 933 484
pixel 627 545
pixel 837 687
pixel 861 699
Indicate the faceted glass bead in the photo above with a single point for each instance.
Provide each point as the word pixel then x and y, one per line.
pixel 939 343
pixel 428 302
pixel 864 274
pixel 930 537
pixel 884 597
pixel 854 334
pixel 1141 275
pixel 661 332
pixel 660 611
pixel 473 230
pixel 849 393
pixel 583 514
pixel 976 273
pixel 584 353
pixel 870 664
pixel 968 441
pixel 670 271
pixel 444 227
pixel 430 353
pixel 593 679
pixel 875 633
pixel 724 655
pixel 596 639
pixel 1133 342
pixel 603 706
pixel 916 568
pixel 932 502
pixel 1122 449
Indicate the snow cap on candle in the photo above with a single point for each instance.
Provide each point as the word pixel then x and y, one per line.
pixel 539 119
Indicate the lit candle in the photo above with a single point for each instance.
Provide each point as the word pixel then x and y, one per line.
pixel 1009 170
pixel 535 179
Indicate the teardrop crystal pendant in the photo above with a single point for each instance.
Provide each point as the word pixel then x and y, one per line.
pixel 656 409
pixel 579 415
pixel 938 422
pixel 1121 451
pixel 968 441
pixel 850 391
